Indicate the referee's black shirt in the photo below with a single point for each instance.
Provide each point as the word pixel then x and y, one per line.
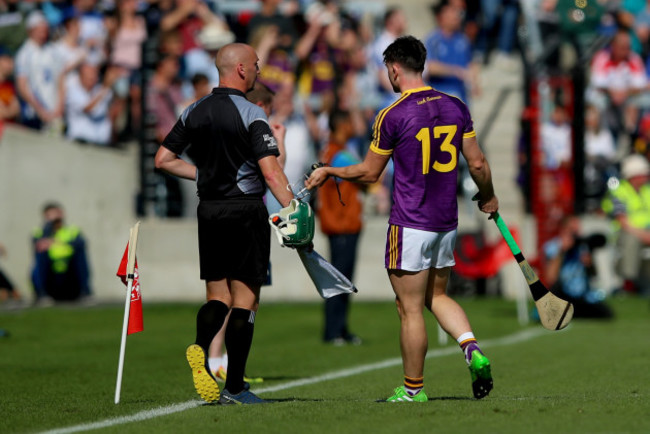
pixel 224 135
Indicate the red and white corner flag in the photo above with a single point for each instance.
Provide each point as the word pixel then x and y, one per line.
pixel 128 272
pixel 135 304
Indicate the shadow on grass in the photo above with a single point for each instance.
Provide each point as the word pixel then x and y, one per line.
pixel 276 378
pixel 439 398
pixel 269 401
pixel 291 399
pixel 452 398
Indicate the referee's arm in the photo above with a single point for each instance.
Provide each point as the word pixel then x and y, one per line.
pixel 169 162
pixel 276 179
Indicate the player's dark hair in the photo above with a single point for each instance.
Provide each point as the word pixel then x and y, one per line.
pixel 260 93
pixel 407 51
pixel 337 117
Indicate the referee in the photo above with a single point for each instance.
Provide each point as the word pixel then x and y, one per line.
pixel 233 151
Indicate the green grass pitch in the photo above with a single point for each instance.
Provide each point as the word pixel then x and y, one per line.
pixel 58 370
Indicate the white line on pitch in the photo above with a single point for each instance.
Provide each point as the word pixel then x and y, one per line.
pixel 524 335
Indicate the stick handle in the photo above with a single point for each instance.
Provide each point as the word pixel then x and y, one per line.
pixel 505 232
pixel 537 289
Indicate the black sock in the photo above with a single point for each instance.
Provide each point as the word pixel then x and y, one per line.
pixel 209 321
pixel 239 336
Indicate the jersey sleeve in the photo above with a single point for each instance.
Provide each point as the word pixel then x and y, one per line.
pixel 383 133
pixel 468 124
pixel 178 138
pixel 262 141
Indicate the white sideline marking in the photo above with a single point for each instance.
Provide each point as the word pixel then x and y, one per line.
pixel 522 336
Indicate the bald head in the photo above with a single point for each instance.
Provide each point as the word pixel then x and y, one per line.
pixel 237 65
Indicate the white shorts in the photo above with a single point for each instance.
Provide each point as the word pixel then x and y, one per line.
pixel 415 250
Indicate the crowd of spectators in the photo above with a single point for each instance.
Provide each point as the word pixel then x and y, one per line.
pixel 77 67
pixel 85 69
pixel 608 46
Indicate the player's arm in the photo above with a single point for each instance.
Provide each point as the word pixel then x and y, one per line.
pixel 479 169
pixel 264 144
pixel 167 158
pixel 169 162
pixel 275 179
pixel 366 172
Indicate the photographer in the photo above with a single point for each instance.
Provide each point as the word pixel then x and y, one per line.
pixel 569 267
pixel 61 271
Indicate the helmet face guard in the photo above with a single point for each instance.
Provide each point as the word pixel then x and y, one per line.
pixel 294 224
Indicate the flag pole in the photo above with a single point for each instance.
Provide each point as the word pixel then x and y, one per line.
pixel 125 326
pixel 130 268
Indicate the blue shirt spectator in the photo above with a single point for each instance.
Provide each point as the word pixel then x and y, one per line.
pixel 449 54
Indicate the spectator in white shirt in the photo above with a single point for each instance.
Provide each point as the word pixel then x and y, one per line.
pixel 93 33
pixel 68 47
pixel 87 105
pixel 556 139
pixel 618 75
pixel 599 143
pixel 37 75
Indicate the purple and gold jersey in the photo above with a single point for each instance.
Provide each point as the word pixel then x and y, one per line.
pixel 423 131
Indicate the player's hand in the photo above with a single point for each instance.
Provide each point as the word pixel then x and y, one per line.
pixel 317 178
pixel 488 206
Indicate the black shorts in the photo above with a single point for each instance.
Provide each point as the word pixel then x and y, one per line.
pixel 234 240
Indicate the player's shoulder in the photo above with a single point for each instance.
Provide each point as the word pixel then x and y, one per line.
pixel 452 100
pixel 429 94
pixel 190 108
pixel 248 111
pixel 395 108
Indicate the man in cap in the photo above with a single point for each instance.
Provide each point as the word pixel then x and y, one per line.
pixel 628 204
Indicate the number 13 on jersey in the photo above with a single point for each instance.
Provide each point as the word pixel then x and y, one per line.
pixel 424 137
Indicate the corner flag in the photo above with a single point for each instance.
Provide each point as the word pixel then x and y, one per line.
pixel 135 310
pixel 128 271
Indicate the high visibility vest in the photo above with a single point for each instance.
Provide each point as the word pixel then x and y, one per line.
pixel 61 249
pixel 637 204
